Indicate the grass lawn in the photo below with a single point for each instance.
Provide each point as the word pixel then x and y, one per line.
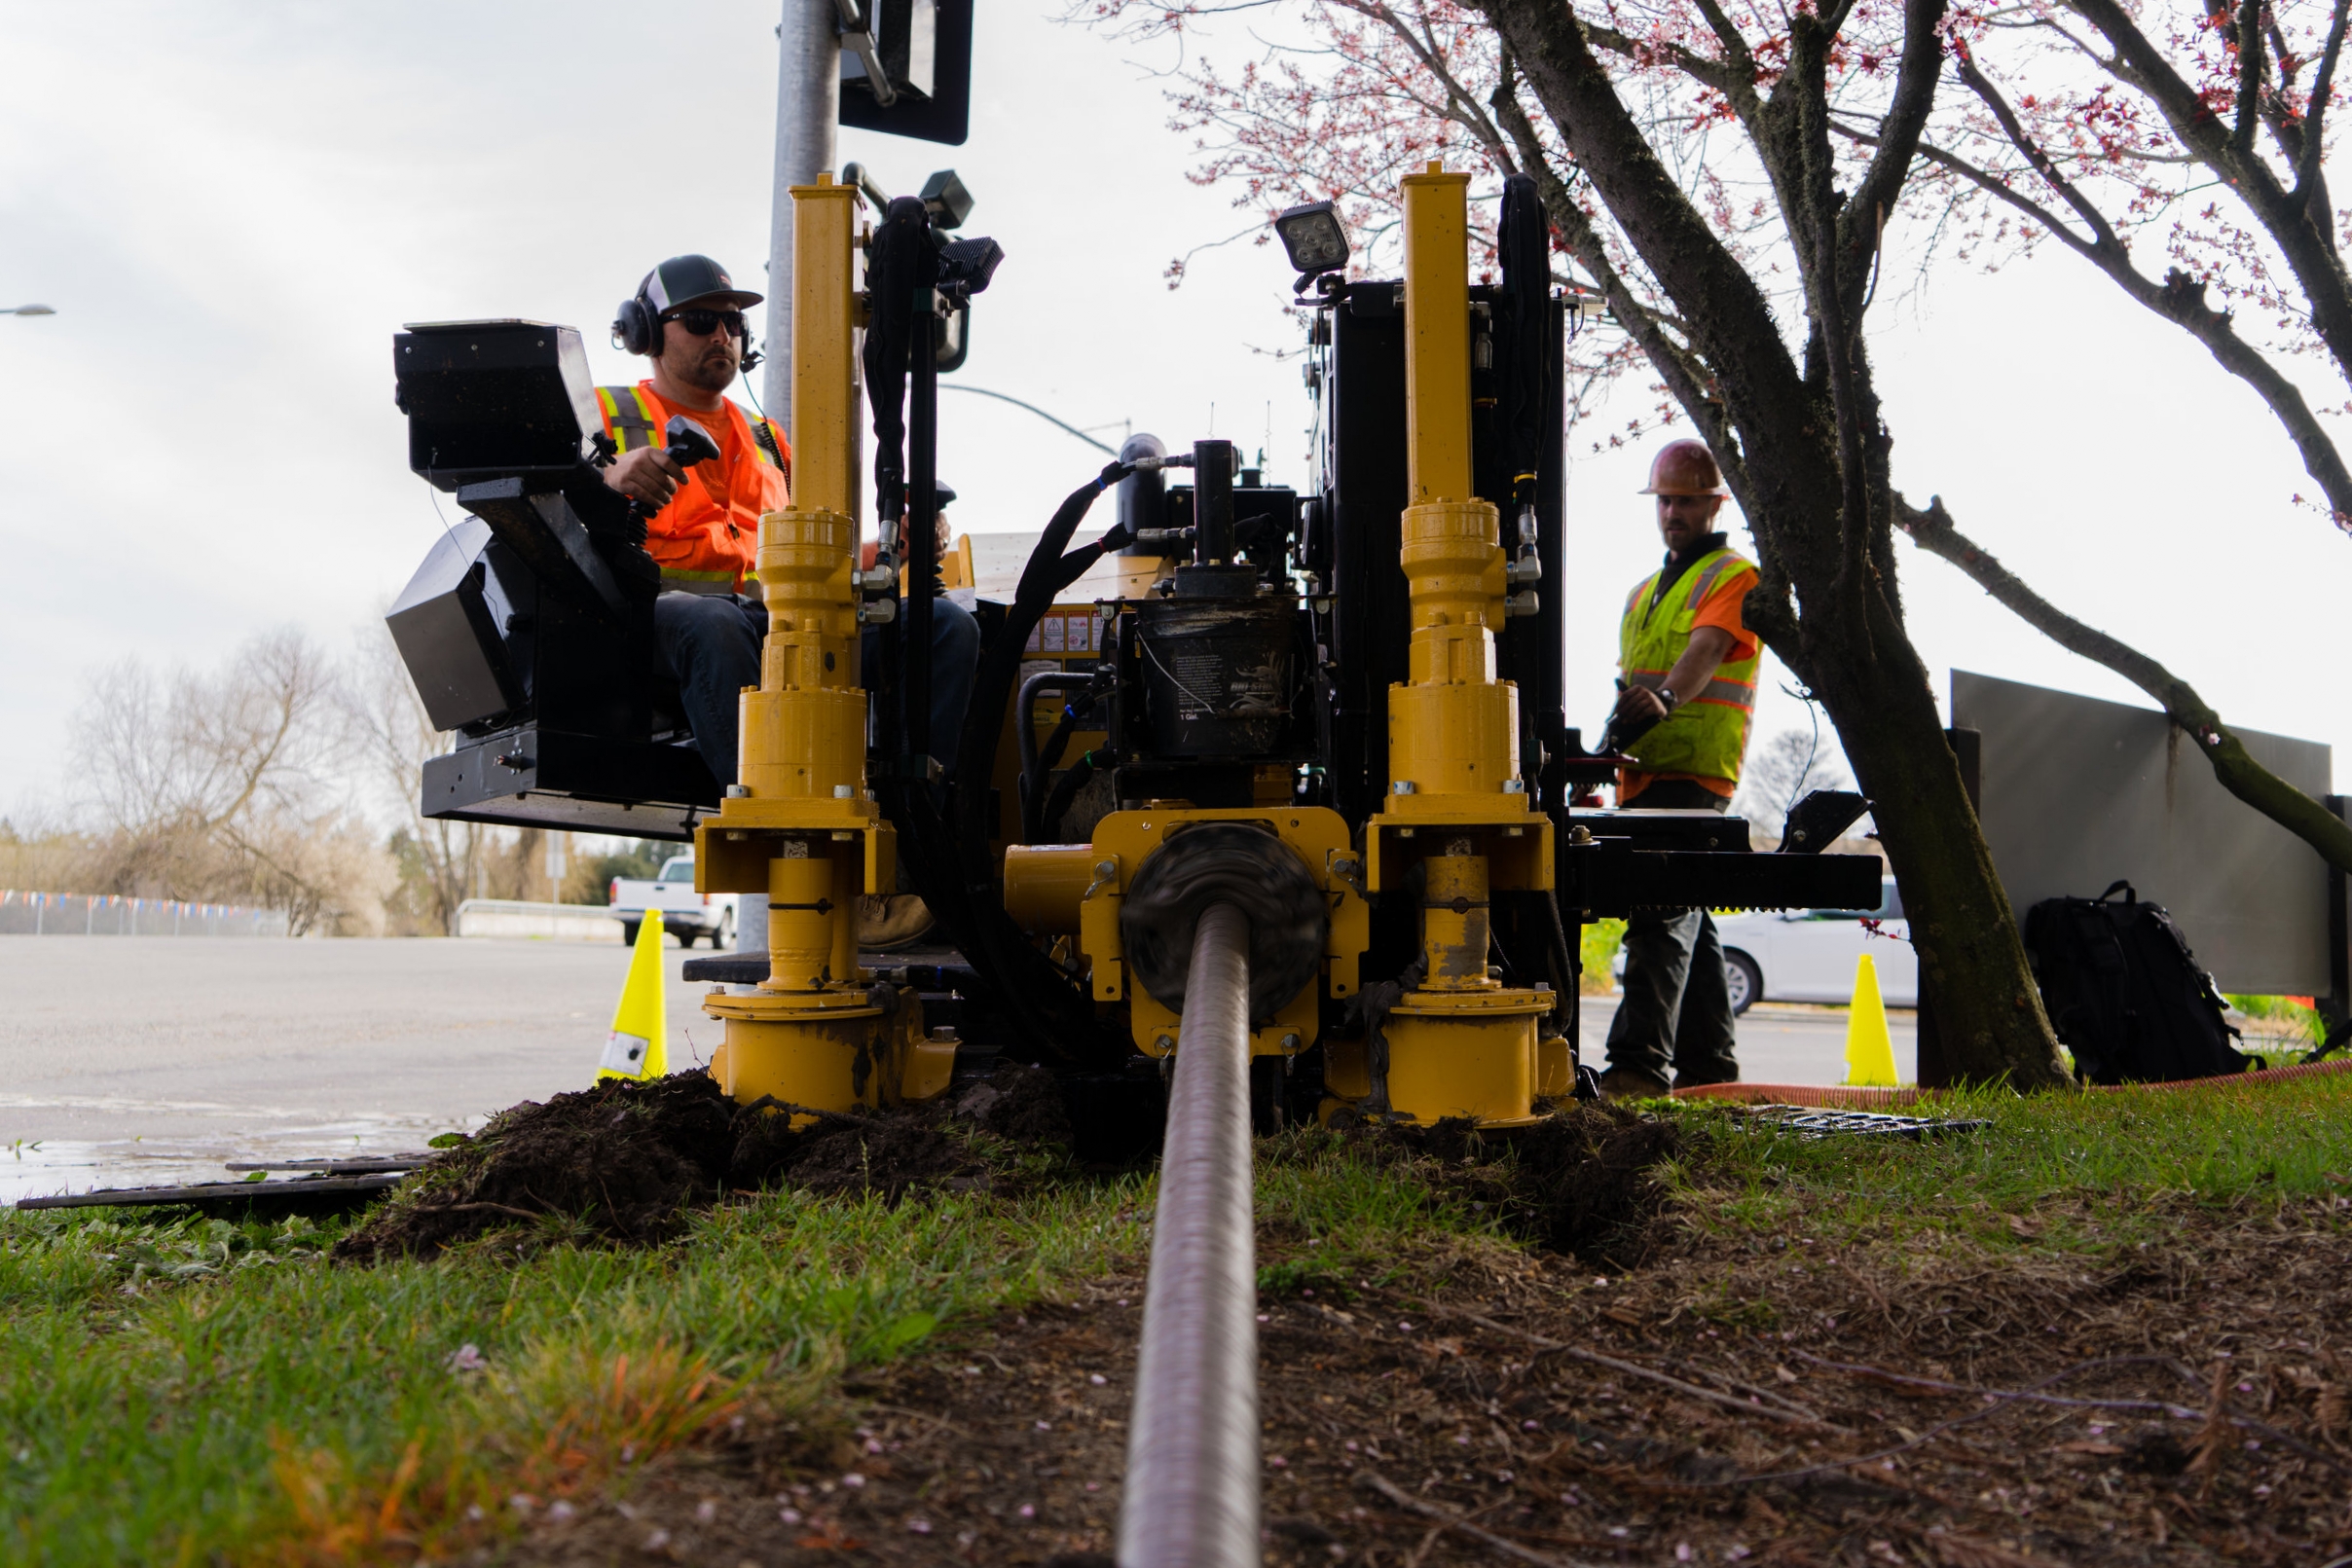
pixel 201 1391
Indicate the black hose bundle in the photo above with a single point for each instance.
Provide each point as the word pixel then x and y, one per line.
pixel 1038 761
pixel 1058 801
pixel 952 868
pixel 1524 241
pixel 1062 1010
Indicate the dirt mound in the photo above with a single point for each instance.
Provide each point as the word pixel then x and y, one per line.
pixel 891 1156
pixel 626 1160
pixel 623 1157
pixel 1583 1182
pixel 1022 1105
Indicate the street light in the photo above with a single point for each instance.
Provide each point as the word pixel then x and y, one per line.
pixel 29 310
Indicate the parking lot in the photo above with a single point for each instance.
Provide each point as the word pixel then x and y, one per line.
pixel 153 1059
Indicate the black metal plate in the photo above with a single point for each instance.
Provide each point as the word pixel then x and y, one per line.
pixel 534 778
pixel 1612 878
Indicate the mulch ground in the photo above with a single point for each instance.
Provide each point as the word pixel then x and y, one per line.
pixel 1751 1399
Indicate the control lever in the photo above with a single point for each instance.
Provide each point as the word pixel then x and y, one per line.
pixel 687 444
pixel 1615 737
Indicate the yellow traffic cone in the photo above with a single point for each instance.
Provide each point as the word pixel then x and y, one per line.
pixel 637 1047
pixel 1869 1047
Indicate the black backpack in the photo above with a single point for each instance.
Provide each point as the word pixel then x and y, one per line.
pixel 2124 992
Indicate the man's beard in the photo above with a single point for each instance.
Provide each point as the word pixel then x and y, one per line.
pixel 713 373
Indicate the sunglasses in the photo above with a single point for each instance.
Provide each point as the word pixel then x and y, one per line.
pixel 702 323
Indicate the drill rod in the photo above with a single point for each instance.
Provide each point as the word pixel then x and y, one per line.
pixel 1191 1489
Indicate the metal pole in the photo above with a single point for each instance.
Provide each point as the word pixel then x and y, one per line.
pixel 1192 1488
pixel 808 105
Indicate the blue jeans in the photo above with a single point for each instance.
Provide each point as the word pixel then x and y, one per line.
pixel 710 645
pixel 955 658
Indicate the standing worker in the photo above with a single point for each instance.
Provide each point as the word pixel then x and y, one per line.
pixel 707 623
pixel 1688 666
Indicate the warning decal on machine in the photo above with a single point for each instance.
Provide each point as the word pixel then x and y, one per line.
pixel 1065 633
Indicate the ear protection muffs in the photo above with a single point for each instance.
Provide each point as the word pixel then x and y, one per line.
pixel 636 325
pixel 638 328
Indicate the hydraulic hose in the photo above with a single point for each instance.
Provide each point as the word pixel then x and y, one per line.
pixel 1191 1489
pixel 1037 762
pixel 1058 803
pixel 1058 1011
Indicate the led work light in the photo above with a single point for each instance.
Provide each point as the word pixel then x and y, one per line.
pixel 1313 236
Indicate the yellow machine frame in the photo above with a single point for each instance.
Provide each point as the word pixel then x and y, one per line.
pixel 1078 888
pixel 802 828
pixel 1461 1044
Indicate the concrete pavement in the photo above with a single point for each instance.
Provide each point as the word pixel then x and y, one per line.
pixel 1779 1042
pixel 153 1059
pixel 137 1060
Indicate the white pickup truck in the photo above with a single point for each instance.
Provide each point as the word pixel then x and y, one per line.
pixel 687 913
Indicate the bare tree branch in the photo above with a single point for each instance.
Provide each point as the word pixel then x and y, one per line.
pixel 2308 167
pixel 2013 128
pixel 1862 225
pixel 2250 75
pixel 2236 770
pixel 2179 298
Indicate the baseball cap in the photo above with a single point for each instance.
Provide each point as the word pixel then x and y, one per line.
pixel 685 280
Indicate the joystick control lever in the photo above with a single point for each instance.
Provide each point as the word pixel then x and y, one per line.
pixel 687 444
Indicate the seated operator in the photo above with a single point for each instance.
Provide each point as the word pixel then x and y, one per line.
pixel 687 317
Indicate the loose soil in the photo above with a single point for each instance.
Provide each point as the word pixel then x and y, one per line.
pixel 1583 1182
pixel 1643 1388
pixel 1850 1420
pixel 626 1161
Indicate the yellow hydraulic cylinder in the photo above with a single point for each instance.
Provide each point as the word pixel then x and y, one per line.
pixel 801 829
pixel 1437 337
pixel 1455 929
pixel 1462 1043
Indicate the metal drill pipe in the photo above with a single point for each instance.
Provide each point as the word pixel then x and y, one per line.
pixel 1191 1489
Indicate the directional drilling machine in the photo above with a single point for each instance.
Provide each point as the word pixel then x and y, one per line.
pixel 1337 711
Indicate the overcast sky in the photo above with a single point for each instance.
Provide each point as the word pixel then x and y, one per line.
pixel 233 208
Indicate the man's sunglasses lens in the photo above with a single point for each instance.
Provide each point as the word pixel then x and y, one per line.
pixel 702 323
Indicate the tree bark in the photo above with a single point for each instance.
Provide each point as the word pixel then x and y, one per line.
pixel 1810 473
pixel 2238 771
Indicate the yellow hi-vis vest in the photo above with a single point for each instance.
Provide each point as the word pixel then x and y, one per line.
pixel 1708 735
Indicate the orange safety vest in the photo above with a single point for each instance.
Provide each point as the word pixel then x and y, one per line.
pixel 707 539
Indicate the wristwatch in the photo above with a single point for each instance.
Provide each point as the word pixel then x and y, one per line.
pixel 1667 696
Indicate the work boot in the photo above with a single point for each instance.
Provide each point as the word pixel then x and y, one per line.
pixel 893 920
pixel 1626 1084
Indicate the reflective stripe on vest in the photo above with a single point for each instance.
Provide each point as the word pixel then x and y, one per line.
pixel 1707 735
pixel 710 584
pixel 625 412
pixel 763 437
pixel 631 425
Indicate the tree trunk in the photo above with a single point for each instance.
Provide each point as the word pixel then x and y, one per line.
pixel 1989 1012
pixel 1809 474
